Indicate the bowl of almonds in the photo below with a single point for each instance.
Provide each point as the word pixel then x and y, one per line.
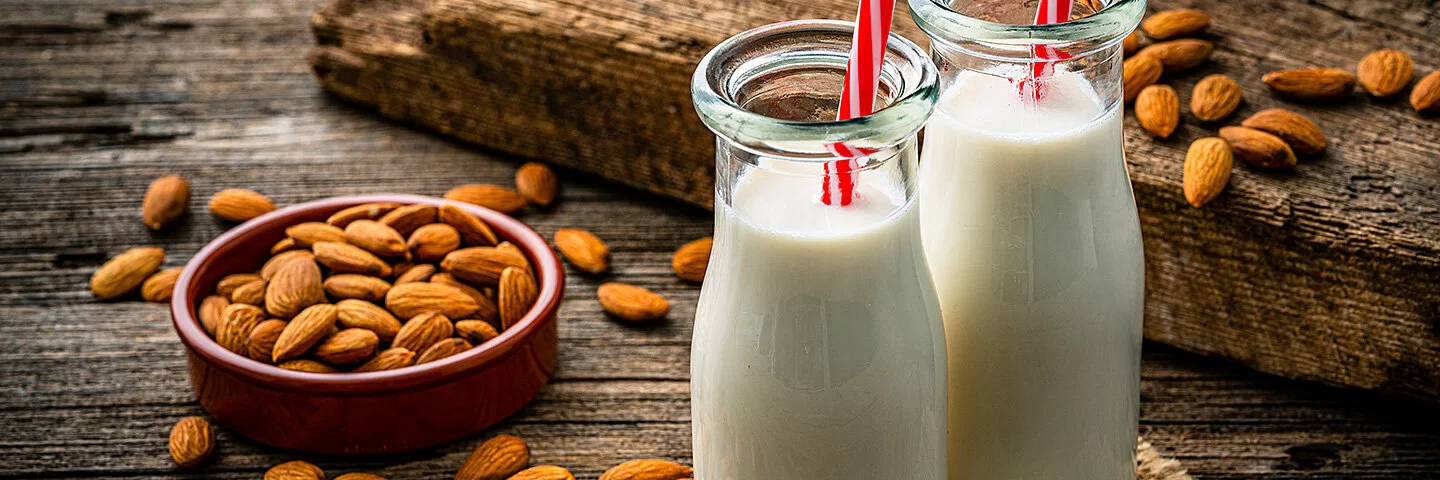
pixel 369 324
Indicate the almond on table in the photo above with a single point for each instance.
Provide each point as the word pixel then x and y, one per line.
pixel 165 201
pixel 493 197
pixel 1214 97
pixel 1258 148
pixel 1207 170
pixel 497 458
pixel 1311 83
pixel 1158 110
pixel 583 249
pixel 124 273
pixel 1301 133
pixel 191 441
pixel 632 303
pixel 1386 72
pixel 691 260
pixel 537 183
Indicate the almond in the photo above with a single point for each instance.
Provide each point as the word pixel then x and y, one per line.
pixel 1140 72
pixel 304 331
pixel 1207 170
pixel 410 299
pixel 160 286
pixel 295 470
pixel 536 183
pixel 1258 148
pixel 295 285
pixel 236 323
pixel 432 242
pixel 481 265
pixel 1158 109
pixel 252 293
pixel 416 273
pixel 583 249
pixel 261 344
pixel 347 347
pixel 376 238
pixel 284 245
pixel 389 359
pixel 191 441
pixel 227 284
pixel 543 472
pixel 274 263
pixel 1175 23
pixel 212 308
pixel 422 331
pixel 631 303
pixel 691 260
pixel 306 234
pixel 518 253
pixel 306 365
pixel 1177 55
pixel 473 231
pixel 475 331
pixel 165 201
pixel 1311 83
pixel 124 273
pixel 352 285
pixel 408 218
pixel 1214 97
pixel 496 459
pixel 1425 97
pixel 517 294
pixel 1385 72
pixel 442 349
pixel 362 314
pixel 650 469
pixel 368 211
pixel 1302 134
pixel 1131 43
pixel 486 309
pixel 347 258
pixel 493 197
pixel 239 205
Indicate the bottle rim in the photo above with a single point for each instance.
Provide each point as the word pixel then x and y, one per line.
pixel 1111 24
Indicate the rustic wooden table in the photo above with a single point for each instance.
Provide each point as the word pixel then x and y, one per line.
pixel 98 97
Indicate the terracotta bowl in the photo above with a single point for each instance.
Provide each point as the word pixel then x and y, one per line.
pixel 372 412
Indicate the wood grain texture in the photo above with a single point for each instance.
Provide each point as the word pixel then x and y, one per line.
pixel 97 98
pixel 1328 272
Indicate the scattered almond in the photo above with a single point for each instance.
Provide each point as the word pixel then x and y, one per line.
pixel 1385 72
pixel 1302 134
pixel 481 265
pixel 307 365
pixel 261 344
pixel 1158 109
pixel 295 470
pixel 631 303
pixel 408 218
pixel 691 260
pixel 375 237
pixel 475 331
pixel 295 285
pixel 416 273
pixel 1214 97
pixel 165 201
pixel 352 285
pixel 443 349
pixel 583 249
pixel 1178 55
pixel 347 347
pixel 236 322
pixel 496 459
pixel 1425 97
pixel 517 294
pixel 410 299
pixel 430 243
pixel 422 331
pixel 493 197
pixel 239 205
pixel 536 183
pixel 389 359
pixel 347 258
pixel 649 469
pixel 543 472
pixel 252 293
pixel 124 273
pixel 191 441
pixel 1140 72
pixel 353 313
pixel 1207 170
pixel 369 211
pixel 304 331
pixel 210 311
pixel 1311 83
pixel 1258 148
pixel 160 286
pixel 1175 23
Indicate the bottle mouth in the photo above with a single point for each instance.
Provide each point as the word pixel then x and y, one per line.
pixel 1080 36
pixel 774 91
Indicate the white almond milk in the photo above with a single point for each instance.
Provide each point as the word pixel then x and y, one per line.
pixel 818 351
pixel 1032 237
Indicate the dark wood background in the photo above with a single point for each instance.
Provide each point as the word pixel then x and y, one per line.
pixel 99 97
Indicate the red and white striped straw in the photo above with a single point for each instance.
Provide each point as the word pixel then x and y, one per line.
pixel 1049 11
pixel 857 99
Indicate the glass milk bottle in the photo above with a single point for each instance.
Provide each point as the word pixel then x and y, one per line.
pixel 1031 233
pixel 818 351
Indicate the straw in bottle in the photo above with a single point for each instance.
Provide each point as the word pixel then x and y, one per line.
pixel 857 98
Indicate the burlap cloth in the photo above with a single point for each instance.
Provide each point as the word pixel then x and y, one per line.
pixel 1151 466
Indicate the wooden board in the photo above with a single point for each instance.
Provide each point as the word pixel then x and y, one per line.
pixel 1328 272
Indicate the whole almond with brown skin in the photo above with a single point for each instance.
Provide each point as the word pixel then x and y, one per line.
pixel 1301 133
pixel 493 197
pixel 475 331
pixel 252 293
pixel 631 303
pixel 1158 109
pixel 362 314
pixel 517 294
pixel 410 299
pixel 473 231
pixel 273 265
pixel 261 344
pixel 536 183
pixel 1385 72
pixel 294 286
pixel 496 459
pixel 354 285
pixel 691 260
pixel 307 365
pixel 408 218
pixel 583 249
pixel 347 347
pixel 347 258
pixel 238 204
pixel 517 253
pixel 295 470
pixel 442 349
pixel 430 243
pixel 389 359
pixel 543 472
pixel 649 469
pixel 236 323
pixel 1311 83
pixel 486 309
pixel 1207 170
pixel 1425 97
pixel 210 311
pixel 191 441
pixel 165 201
pixel 481 265
pixel 422 331
pixel 227 284
pixel 124 273
pixel 284 245
pixel 1214 97
pixel 1178 55
pixel 306 234
pixel 1140 72
pixel 416 273
pixel 1258 148
pixel 369 211
pixel 160 286
pixel 376 238
pixel 304 331
pixel 1175 23
pixel 1131 44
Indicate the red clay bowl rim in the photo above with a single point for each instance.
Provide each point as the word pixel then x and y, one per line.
pixel 552 283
